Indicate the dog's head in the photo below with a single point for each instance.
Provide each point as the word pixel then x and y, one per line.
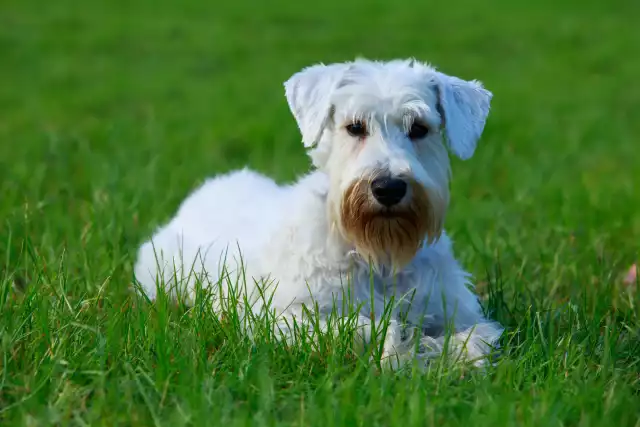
pixel 377 129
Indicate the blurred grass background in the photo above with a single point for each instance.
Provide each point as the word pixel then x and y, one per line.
pixel 112 111
pixel 141 99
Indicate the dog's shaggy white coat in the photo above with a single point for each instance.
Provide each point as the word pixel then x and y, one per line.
pixel 313 238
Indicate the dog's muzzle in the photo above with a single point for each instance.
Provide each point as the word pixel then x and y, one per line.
pixel 388 218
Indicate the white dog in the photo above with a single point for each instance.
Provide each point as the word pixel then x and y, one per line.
pixel 377 134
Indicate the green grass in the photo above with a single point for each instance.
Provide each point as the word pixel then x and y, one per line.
pixel 111 112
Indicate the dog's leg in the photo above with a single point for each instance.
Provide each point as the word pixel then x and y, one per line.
pixel 472 345
pixel 399 345
pixel 397 342
pixel 293 322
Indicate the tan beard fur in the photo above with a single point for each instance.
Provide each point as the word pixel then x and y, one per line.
pixel 393 235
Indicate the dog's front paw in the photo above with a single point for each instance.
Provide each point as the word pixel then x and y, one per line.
pixel 399 345
pixel 473 345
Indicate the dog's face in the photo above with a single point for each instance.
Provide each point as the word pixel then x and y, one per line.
pixel 377 130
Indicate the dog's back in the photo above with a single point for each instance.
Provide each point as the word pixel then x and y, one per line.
pixel 236 210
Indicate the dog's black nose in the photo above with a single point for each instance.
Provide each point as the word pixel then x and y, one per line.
pixel 388 191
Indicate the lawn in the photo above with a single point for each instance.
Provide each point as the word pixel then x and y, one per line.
pixel 111 112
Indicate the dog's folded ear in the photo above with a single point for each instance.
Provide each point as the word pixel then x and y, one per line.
pixel 464 107
pixel 309 93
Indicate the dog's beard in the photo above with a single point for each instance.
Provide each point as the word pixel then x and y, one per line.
pixel 390 236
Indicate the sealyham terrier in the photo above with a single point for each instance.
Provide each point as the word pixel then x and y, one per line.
pixel 365 225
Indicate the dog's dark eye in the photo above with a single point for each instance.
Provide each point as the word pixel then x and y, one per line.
pixel 418 131
pixel 357 129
